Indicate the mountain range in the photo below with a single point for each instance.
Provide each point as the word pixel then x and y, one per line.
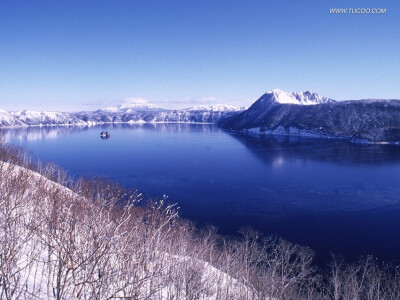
pixel 128 113
pixel 274 113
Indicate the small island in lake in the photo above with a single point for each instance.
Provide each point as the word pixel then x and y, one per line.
pixel 104 134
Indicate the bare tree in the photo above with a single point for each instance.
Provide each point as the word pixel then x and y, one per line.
pixel 91 239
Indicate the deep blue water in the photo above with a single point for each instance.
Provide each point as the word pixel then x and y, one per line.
pixel 330 195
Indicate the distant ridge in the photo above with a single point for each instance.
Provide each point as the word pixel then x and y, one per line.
pixel 126 113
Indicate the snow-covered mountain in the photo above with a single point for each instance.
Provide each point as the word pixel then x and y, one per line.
pixel 298 98
pixel 127 108
pixel 309 114
pixel 27 118
pixel 127 113
pixel 7 119
pixel 45 118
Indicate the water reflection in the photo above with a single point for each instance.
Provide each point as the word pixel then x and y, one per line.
pixel 33 133
pixel 276 150
pixel 24 134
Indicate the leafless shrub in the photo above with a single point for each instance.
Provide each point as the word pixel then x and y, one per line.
pixel 92 241
pixel 366 279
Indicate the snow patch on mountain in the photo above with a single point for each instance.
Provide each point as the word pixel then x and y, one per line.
pixel 126 108
pixel 298 98
pixel 291 131
pixel 216 107
pixel 43 117
pixel 6 119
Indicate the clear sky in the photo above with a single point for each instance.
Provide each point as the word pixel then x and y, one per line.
pixel 81 55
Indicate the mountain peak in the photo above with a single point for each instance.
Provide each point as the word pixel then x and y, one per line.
pixel 128 107
pixel 298 98
pixel 136 105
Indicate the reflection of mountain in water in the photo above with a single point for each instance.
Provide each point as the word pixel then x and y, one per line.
pixel 170 127
pixel 37 133
pixel 53 132
pixel 275 150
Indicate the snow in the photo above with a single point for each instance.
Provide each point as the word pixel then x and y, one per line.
pixel 137 105
pixel 127 108
pixel 6 118
pixel 291 131
pixel 144 112
pixel 32 260
pixel 110 109
pixel 136 122
pixel 216 107
pixel 298 98
pixel 40 117
pixel 131 113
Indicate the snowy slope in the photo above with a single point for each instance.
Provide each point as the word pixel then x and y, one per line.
pixel 128 113
pixel 127 108
pixel 30 117
pixel 33 267
pixel 7 119
pixel 298 98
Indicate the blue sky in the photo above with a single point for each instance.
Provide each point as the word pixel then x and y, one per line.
pixel 81 55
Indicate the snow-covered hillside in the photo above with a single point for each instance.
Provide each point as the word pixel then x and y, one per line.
pixel 37 118
pixel 127 108
pixel 128 113
pixel 45 118
pixel 76 249
pixel 7 119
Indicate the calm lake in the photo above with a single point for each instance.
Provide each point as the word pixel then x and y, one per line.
pixel 330 195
